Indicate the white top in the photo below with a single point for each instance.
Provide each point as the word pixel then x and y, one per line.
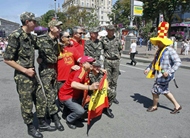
pixel 133 47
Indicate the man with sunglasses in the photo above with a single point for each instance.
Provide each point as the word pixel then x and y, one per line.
pixel 67 59
pixel 19 54
pixel 77 40
pixel 48 53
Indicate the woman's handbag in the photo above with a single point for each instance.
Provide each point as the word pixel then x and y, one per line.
pixel 136 52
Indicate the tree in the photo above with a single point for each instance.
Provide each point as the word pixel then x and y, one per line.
pixel 153 8
pixel 120 12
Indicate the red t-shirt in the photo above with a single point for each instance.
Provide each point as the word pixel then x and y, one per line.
pixel 70 57
pixel 66 91
pixel 79 45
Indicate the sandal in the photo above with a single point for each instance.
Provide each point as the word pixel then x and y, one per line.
pixel 151 109
pixel 176 110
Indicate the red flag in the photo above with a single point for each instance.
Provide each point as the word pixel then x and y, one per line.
pixel 98 100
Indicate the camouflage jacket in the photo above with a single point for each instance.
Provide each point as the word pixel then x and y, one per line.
pixel 94 49
pixel 48 49
pixel 112 47
pixel 21 48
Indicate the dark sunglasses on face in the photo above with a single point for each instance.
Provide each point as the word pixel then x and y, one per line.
pixel 80 33
pixel 67 36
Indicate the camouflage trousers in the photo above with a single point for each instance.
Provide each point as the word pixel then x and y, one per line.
pixel 30 91
pixel 112 67
pixel 49 81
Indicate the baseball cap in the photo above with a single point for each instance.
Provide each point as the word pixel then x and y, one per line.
pixel 53 23
pixel 86 59
pixel 110 27
pixel 28 16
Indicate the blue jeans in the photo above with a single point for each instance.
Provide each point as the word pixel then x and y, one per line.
pixel 76 109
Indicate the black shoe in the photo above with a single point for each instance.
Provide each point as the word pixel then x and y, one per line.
pixel 71 125
pixel 43 126
pixel 116 101
pixel 107 111
pixel 135 63
pixel 33 132
pixel 57 122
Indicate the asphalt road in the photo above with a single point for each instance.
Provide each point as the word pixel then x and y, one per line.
pixel 131 119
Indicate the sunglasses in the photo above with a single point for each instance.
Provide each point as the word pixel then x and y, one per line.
pixel 67 36
pixel 81 33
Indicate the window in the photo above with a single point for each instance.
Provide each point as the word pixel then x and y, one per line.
pixel 102 12
pixel 82 3
pixel 102 17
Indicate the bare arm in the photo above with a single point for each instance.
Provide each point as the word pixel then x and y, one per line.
pixel 81 86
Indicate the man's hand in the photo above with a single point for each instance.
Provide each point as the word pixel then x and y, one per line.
pixel 146 71
pixel 39 60
pixel 94 86
pixel 30 72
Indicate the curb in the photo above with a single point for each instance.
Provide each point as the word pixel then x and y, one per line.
pixel 144 60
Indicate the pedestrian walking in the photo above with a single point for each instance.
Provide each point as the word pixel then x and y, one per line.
pixel 175 44
pixel 149 45
pixel 19 54
pixel 140 41
pixel 132 52
pixel 48 53
pixel 187 46
pixel 165 64
pixel 112 53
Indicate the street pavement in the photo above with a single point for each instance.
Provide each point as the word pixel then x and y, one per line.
pixel 147 56
pixel 131 119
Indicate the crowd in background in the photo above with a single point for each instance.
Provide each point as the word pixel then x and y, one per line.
pixel 3 44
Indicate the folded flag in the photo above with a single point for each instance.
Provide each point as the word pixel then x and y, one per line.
pixel 98 100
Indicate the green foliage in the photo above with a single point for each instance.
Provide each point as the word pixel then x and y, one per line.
pixel 73 17
pixel 120 12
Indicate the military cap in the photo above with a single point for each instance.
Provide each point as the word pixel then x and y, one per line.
pixel 28 16
pixel 110 27
pixel 53 23
pixel 96 63
pixel 94 30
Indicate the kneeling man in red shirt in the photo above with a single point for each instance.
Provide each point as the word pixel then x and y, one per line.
pixel 71 93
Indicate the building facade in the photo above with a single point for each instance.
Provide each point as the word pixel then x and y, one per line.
pixel 101 7
pixel 7 27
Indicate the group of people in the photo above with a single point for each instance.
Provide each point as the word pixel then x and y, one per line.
pixel 185 47
pixel 68 65
pixel 3 44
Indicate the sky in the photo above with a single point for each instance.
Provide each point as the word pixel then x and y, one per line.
pixel 11 9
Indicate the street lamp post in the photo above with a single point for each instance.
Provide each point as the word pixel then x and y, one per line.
pixel 130 36
pixel 55 10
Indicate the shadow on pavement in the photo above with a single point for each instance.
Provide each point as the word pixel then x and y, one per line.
pixel 185 59
pixel 147 102
pixel 94 120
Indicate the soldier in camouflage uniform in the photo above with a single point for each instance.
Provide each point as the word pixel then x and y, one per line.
pixel 48 52
pixel 94 47
pixel 112 53
pixel 19 54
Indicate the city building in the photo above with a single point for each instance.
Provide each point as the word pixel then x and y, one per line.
pixel 101 7
pixel 7 27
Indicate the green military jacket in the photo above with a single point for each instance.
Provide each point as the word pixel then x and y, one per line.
pixel 94 49
pixel 48 49
pixel 21 48
pixel 112 47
